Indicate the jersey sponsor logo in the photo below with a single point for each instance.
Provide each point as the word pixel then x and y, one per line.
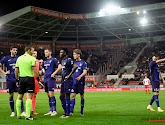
pixel 12 65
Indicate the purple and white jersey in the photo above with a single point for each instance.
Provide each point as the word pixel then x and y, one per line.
pixel 82 65
pixel 10 63
pixel 49 65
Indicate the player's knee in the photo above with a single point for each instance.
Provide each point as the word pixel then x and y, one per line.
pixel 11 95
pixel 73 96
pixel 82 96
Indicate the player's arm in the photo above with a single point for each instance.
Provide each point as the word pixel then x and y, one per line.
pixel 161 77
pixel 35 71
pixel 75 66
pixel 16 73
pixel 160 60
pixel 57 70
pixel 83 74
pixel 143 82
pixel 149 82
pixel 8 72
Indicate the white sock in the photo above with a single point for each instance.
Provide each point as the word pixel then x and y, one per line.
pixel 149 105
pixel 158 107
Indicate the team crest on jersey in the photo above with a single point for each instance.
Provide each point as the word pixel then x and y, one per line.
pixel 9 60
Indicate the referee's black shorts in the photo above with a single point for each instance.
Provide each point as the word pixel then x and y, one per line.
pixel 26 85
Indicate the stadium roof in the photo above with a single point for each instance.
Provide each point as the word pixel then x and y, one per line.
pixel 37 24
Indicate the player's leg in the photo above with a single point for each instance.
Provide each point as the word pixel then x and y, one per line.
pixel 81 91
pixel 82 103
pixel 11 94
pixel 36 90
pixel 156 96
pixel 74 90
pixel 148 89
pixel 51 86
pixel 72 104
pixel 62 98
pixel 152 99
pixel 33 104
pixel 63 102
pixel 67 98
pixel 11 102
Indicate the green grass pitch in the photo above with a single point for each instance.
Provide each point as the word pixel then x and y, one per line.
pixel 101 108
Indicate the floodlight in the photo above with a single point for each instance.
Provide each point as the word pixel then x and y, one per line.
pixel 143 21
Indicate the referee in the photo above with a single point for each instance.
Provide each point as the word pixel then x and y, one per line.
pixel 25 65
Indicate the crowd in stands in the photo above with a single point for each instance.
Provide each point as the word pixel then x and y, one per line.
pixel 156 48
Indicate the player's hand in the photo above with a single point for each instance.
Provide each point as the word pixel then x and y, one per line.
pixel 53 76
pixel 78 78
pixel 17 84
pixel 41 84
pixel 67 77
pixel 8 72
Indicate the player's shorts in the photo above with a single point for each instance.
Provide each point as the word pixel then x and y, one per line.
pixel 146 86
pixel 36 89
pixel 11 86
pixel 26 85
pixel 66 86
pixel 49 84
pixel 155 86
pixel 77 88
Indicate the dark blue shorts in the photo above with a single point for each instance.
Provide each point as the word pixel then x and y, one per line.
pixel 49 84
pixel 77 88
pixel 155 86
pixel 11 86
pixel 66 87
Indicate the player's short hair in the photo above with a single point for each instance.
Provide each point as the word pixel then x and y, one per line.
pixel 66 50
pixel 28 47
pixel 48 49
pixel 77 51
pixel 12 47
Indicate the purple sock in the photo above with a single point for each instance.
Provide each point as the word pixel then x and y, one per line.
pixel 157 100
pixel 22 107
pixel 63 103
pixel 50 105
pixel 72 105
pixel 11 102
pixel 53 100
pixel 67 98
pixel 152 99
pixel 82 105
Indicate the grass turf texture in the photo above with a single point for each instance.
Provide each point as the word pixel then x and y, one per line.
pixel 101 108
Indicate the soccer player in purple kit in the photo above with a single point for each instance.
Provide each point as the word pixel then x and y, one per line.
pixel 49 79
pixel 67 65
pixel 78 80
pixel 154 69
pixel 10 62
